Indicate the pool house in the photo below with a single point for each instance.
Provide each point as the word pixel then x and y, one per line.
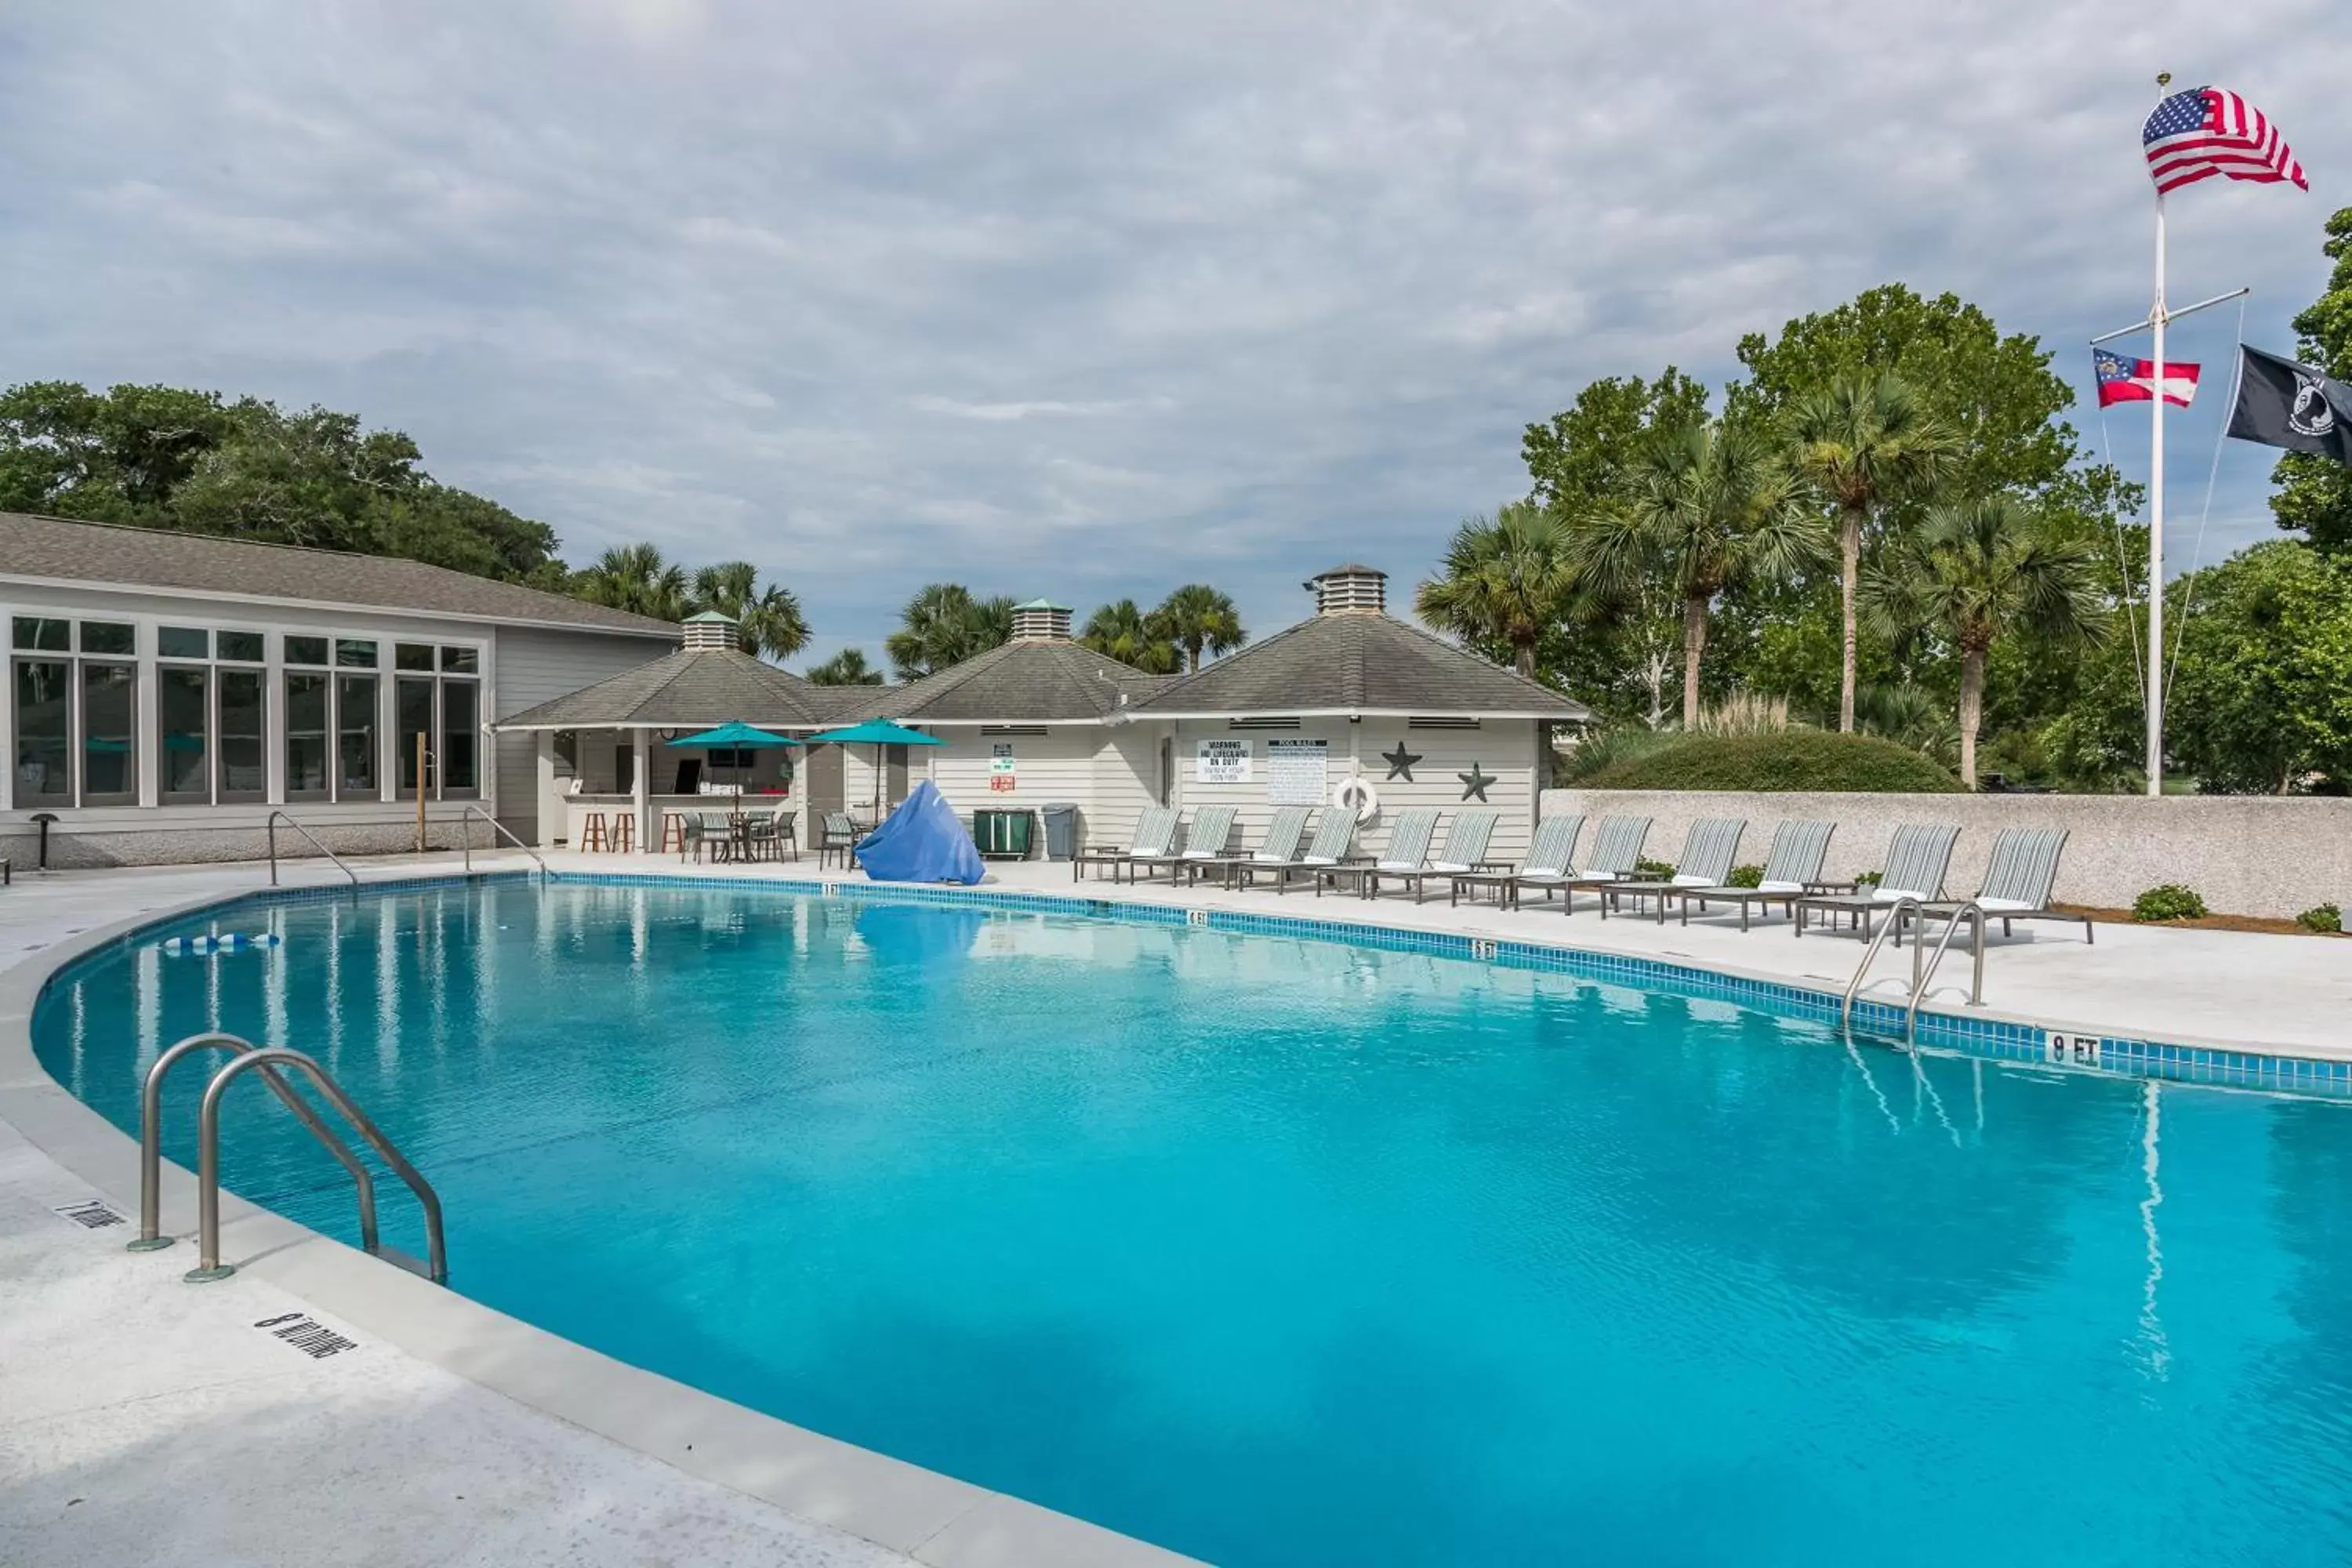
pixel 166 693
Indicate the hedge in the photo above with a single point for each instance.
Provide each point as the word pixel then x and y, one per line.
pixel 1785 760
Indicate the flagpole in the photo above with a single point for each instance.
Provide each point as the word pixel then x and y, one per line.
pixel 2155 316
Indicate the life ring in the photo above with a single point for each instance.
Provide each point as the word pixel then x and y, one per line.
pixel 1357 794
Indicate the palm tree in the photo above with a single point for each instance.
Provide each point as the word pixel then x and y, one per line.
pixel 768 619
pixel 1121 630
pixel 943 625
pixel 1867 442
pixel 1710 507
pixel 636 578
pixel 1197 617
pixel 1504 581
pixel 847 668
pixel 1982 569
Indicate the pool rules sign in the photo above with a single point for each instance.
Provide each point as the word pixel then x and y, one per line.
pixel 1297 771
pixel 1223 763
pixel 1003 778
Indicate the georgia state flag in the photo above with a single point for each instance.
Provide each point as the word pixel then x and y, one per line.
pixel 2125 380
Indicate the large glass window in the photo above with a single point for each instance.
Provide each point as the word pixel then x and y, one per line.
pixel 183 720
pixel 355 730
pixel 461 740
pixel 110 746
pixel 243 729
pixel 44 751
pixel 412 730
pixel 306 736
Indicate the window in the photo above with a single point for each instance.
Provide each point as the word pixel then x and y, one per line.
pixel 117 638
pixel 306 736
pixel 411 656
pixel 183 642
pixel 412 724
pixel 244 775
pixel 306 650
pixel 44 751
pixel 461 739
pixel 244 647
pixel 109 749
pixel 44 636
pixel 184 722
pixel 460 660
pixel 355 652
pixel 446 715
pixel 355 727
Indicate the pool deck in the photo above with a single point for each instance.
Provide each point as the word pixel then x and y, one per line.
pixel 147 1422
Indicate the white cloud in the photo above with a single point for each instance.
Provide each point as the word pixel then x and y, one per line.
pixel 1088 300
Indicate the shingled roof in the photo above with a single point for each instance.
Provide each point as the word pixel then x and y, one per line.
pixel 1358 661
pixel 55 549
pixel 692 688
pixel 1036 681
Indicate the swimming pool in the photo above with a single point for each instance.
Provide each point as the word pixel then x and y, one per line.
pixel 1283 1251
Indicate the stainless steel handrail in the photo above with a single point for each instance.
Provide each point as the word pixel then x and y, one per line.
pixel 1894 912
pixel 150 1138
pixel 208 1264
pixel 271 827
pixel 1969 910
pixel 466 841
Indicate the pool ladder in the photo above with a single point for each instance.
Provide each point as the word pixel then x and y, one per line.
pixel 249 1056
pixel 1923 969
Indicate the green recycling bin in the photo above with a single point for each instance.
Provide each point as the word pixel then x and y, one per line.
pixel 1003 835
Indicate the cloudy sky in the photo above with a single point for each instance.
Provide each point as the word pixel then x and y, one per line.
pixel 1089 301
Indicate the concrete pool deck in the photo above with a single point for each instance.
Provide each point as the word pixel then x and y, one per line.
pixel 143 1421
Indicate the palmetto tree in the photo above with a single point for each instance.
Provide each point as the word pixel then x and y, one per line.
pixel 1504 581
pixel 1709 506
pixel 1865 442
pixel 1196 617
pixel 768 619
pixel 943 625
pixel 1979 570
pixel 1123 631
pixel 847 668
pixel 636 578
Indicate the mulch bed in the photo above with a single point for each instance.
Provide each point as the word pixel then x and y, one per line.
pixel 2210 922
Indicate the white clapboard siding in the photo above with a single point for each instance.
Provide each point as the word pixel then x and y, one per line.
pixel 536 666
pixel 1507 750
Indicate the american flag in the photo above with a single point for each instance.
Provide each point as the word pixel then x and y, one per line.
pixel 2194 135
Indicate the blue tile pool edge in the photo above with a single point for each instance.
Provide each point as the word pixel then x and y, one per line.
pixel 1998 1039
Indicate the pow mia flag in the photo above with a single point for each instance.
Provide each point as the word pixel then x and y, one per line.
pixel 2282 404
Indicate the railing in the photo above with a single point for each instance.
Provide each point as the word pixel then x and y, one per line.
pixel 208 1264
pixel 1969 910
pixel 467 840
pixel 271 827
pixel 1895 913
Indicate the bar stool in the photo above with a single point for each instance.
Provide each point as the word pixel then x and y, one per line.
pixel 592 833
pixel 673 833
pixel 625 832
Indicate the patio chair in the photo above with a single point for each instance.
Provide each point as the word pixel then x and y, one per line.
pixel 1464 852
pixel 1155 842
pixel 1616 852
pixel 1546 864
pixel 2018 879
pixel 708 833
pixel 1917 859
pixel 1283 830
pixel 1709 849
pixel 1793 865
pixel 1407 853
pixel 765 833
pixel 837 835
pixel 1211 834
pixel 1334 839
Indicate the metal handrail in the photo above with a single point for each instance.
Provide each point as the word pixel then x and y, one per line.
pixel 1969 910
pixel 467 842
pixel 1894 912
pixel 271 827
pixel 150 1138
pixel 208 1264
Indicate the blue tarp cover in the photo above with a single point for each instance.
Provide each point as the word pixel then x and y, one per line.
pixel 923 841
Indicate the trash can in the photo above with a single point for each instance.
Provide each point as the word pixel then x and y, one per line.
pixel 1003 835
pixel 1061 829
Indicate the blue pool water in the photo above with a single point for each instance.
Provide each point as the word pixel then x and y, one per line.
pixel 1282 1252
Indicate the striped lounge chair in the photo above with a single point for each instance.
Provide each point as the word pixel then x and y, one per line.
pixel 1334 839
pixel 1407 853
pixel 1464 852
pixel 1616 851
pixel 1793 865
pixel 1154 845
pixel 2018 880
pixel 1283 831
pixel 1547 865
pixel 1917 859
pixel 1709 850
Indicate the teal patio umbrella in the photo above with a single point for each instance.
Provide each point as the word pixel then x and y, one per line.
pixel 736 736
pixel 877 734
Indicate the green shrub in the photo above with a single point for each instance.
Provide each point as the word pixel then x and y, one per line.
pixel 1869 878
pixel 1605 749
pixel 1747 876
pixel 1652 871
pixel 1789 760
pixel 2324 917
pixel 2169 902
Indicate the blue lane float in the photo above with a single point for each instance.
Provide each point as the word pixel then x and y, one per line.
pixel 222 942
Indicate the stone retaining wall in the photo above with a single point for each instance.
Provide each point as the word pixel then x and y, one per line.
pixel 2249 855
pixel 77 851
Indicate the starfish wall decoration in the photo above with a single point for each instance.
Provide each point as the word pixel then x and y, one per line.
pixel 1475 782
pixel 1400 762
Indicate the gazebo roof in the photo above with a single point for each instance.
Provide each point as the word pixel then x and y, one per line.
pixel 690 689
pixel 1021 682
pixel 1358 663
